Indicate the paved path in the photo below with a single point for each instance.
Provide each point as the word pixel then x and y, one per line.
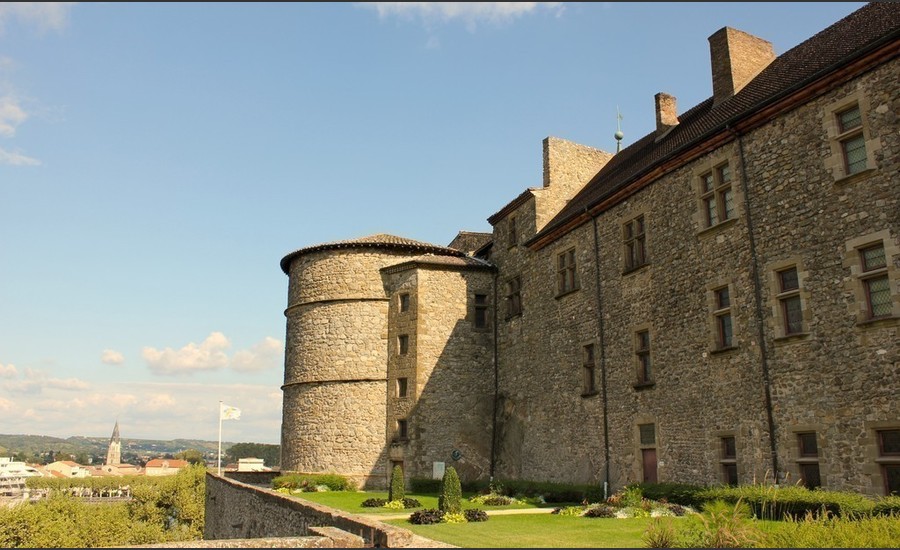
pixel 498 512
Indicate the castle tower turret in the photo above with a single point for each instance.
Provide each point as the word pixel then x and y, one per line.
pixel 114 453
pixel 336 356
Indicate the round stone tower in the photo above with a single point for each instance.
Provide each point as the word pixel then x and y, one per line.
pixel 335 364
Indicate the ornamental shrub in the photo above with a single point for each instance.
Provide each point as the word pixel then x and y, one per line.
pixel 426 517
pixel 397 490
pixel 411 503
pixel 371 502
pixel 600 511
pixel 451 492
pixel 475 514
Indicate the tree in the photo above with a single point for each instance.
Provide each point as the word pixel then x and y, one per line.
pixel 450 500
pixel 397 490
pixel 191 455
pixel 271 454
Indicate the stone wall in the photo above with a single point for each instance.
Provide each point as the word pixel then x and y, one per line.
pixel 236 510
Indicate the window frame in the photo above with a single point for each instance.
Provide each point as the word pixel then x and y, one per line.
pixel 403 344
pixel 643 344
pixel 513 297
pixel 728 462
pixel 566 272
pixel 785 296
pixel 404 302
pixel 870 274
pixel 887 461
pixel 715 189
pixel 589 370
pixel 512 232
pixel 721 313
pixel 634 240
pixel 402 387
pixel 481 309
pixel 402 429
pixel 847 134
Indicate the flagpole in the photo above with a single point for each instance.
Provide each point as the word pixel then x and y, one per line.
pixel 219 455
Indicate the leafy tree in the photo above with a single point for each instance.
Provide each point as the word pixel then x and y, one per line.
pixel 397 490
pixel 271 454
pixel 191 455
pixel 450 500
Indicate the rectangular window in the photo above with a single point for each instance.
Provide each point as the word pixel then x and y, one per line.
pixel 647 439
pixel 809 460
pixel 589 370
pixel 402 430
pixel 876 285
pixel 566 279
pixel 403 343
pixel 852 140
pixel 513 297
pixel 513 234
pixel 789 298
pixel 402 387
pixel 404 303
pixel 717 195
pixel 635 244
pixel 889 458
pixel 729 460
pixel 722 314
pixel 644 363
pixel 481 311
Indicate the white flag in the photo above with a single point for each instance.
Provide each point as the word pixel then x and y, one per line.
pixel 229 413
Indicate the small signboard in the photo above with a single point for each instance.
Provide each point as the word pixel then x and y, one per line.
pixel 438 470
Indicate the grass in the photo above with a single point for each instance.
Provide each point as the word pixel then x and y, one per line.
pixel 350 501
pixel 536 531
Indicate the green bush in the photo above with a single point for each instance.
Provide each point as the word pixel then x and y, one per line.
pixel 424 485
pixel 308 482
pixel 411 503
pixel 474 514
pixel 397 490
pixel 678 493
pixel 600 511
pixel 827 531
pixel 887 506
pixel 450 499
pixel 373 503
pixel 552 492
pixel 775 503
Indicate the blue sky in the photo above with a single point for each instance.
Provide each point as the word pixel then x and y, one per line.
pixel 158 160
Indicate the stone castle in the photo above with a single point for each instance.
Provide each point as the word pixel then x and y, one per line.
pixel 718 302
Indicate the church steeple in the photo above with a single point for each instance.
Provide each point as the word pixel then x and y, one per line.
pixel 114 454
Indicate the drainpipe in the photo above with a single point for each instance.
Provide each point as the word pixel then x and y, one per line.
pixel 496 386
pixel 602 358
pixel 757 291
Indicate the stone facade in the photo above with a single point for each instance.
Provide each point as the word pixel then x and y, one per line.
pixel 717 303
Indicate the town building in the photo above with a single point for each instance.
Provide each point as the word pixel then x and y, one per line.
pixel 718 302
pixel 164 466
pixel 114 452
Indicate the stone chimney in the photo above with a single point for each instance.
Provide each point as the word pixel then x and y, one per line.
pixel 666 113
pixel 737 57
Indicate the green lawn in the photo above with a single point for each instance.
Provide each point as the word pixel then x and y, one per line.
pixel 536 531
pixel 349 501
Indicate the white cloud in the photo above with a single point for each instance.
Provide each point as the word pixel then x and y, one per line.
pixel 264 355
pixel 158 402
pixel 17 159
pixel 209 355
pixel 70 384
pixel 8 371
pixel 471 13
pixel 43 15
pixel 11 115
pixel 112 357
pixel 6 405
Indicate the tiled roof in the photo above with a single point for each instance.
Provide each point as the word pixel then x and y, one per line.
pixel 512 205
pixel 372 241
pixel 868 28
pixel 440 261
pixel 172 463
pixel 468 241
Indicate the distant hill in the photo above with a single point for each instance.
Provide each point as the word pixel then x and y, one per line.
pixel 96 447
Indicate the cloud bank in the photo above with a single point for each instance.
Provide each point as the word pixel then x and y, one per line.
pixel 112 357
pixel 42 15
pixel 211 354
pixel 471 13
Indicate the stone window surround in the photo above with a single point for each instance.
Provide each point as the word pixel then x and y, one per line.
pixel 513 297
pixel 875 461
pixel 792 456
pixel 718 446
pixel 710 164
pixel 402 387
pixel 775 295
pixel 402 429
pixel 639 382
pixel 716 193
pixel 561 252
pixel 715 311
pixel 486 306
pixel 625 222
pixel 859 307
pixel 589 369
pixel 512 234
pixel 641 420
pixel 403 302
pixel 403 344
pixel 835 163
